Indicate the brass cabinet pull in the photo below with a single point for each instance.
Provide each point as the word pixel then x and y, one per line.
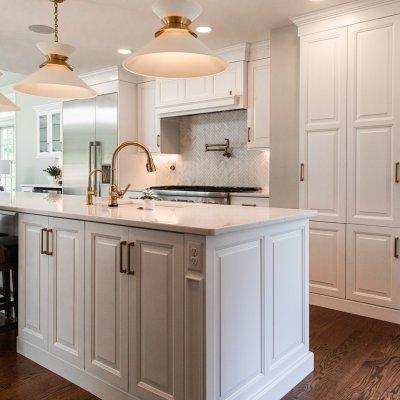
pixel 158 140
pixel 121 257
pixel 397 177
pixel 248 134
pixel 48 252
pixel 130 271
pixel 42 250
pixel 249 205
pixel 396 247
pixel 302 172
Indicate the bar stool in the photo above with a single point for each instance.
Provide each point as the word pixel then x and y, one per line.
pixel 9 272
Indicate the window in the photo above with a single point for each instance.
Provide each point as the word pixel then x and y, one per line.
pixel 7 152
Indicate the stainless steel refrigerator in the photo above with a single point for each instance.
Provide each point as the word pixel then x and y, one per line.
pixel 90 134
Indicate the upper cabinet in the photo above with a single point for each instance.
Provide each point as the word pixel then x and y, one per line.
pixel 49 130
pixel 225 91
pixel 258 110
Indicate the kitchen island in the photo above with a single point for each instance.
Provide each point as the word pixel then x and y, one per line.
pixel 186 302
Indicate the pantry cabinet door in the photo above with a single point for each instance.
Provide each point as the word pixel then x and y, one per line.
pixel 66 290
pixel 373 267
pixel 323 76
pixel 156 327
pixel 373 123
pixel 33 280
pixel 106 303
pixel 328 259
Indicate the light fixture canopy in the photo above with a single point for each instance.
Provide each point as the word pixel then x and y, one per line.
pixel 55 77
pixel 6 105
pixel 176 52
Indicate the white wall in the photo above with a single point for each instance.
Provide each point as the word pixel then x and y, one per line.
pixel 29 167
pixel 284 167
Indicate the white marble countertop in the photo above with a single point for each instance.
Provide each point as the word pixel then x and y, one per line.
pixel 202 219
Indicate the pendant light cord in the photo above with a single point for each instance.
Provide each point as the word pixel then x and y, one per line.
pixel 56 21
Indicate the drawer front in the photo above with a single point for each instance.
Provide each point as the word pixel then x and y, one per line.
pixel 250 201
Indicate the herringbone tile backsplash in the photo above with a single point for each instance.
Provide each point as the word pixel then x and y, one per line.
pixel 196 167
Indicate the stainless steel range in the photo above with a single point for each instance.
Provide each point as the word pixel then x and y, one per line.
pixel 200 194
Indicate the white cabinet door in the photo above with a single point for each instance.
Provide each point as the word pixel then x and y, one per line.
pixel 323 78
pixel 231 81
pixel 373 123
pixel 66 290
pixel 147 123
pixel 169 91
pixel 198 88
pixel 106 303
pixel 157 309
pixel 373 267
pixel 33 280
pixel 258 111
pixel 328 259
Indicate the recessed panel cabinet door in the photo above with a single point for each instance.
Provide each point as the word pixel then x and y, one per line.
pixel 106 303
pixel 66 290
pixel 373 267
pixel 328 259
pixel 33 280
pixel 373 123
pixel 323 78
pixel 156 327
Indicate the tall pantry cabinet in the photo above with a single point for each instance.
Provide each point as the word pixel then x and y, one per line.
pixel 350 155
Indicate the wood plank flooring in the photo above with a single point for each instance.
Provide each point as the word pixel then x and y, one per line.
pixel 356 358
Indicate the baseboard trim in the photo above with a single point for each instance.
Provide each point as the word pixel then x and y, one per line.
pixel 354 307
pixel 275 389
pixel 70 372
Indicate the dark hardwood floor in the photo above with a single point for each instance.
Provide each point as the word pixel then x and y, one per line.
pixel 356 358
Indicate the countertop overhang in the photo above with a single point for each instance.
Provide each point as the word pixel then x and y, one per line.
pixel 201 219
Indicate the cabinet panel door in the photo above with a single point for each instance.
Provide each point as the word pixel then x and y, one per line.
pixel 328 259
pixel 373 122
pixel 323 79
pixel 373 270
pixel 230 82
pixel 147 129
pixel 258 111
pixel 66 290
pixel 198 88
pixel 106 304
pixel 33 280
pixel 156 329
pixel 169 91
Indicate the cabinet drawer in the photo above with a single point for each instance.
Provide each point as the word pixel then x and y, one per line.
pixel 250 201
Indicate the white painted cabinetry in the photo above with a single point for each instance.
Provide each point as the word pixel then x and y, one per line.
pixel 322 156
pixel 328 259
pixel 350 156
pixel 373 123
pixel 258 110
pixel 51 295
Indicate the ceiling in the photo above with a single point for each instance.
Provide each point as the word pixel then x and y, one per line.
pixel 97 28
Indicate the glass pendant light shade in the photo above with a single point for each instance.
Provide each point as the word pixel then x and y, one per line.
pixel 176 52
pixel 7 105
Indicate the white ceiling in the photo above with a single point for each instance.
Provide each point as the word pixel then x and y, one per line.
pixel 97 28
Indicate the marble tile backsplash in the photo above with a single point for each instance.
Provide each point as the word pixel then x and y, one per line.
pixel 196 167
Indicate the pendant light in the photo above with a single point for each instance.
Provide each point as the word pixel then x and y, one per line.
pixel 55 77
pixel 7 105
pixel 176 52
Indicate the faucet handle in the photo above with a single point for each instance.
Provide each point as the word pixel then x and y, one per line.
pixel 122 192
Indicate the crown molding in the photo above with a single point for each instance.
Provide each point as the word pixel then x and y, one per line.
pixel 345 15
pixel 110 74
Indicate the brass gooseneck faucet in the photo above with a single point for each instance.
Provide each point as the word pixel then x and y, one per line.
pixel 90 192
pixel 116 193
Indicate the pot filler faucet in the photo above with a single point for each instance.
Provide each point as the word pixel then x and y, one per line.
pixel 115 193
